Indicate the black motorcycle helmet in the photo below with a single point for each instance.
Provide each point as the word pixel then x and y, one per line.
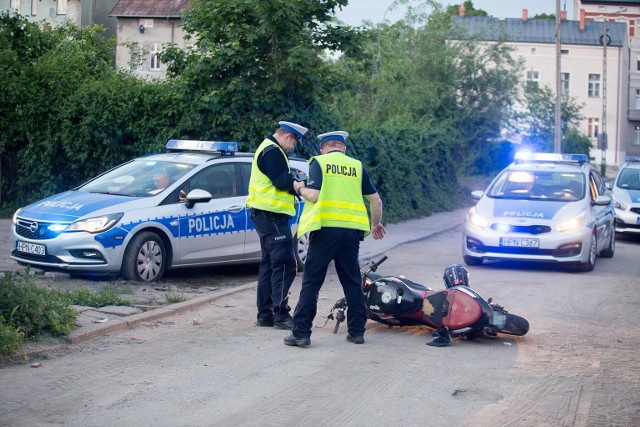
pixel 455 275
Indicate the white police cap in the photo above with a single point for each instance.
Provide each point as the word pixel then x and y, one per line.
pixel 337 135
pixel 294 128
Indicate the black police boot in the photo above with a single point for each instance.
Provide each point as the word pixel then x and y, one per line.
pixel 295 341
pixel 355 340
pixel 286 324
pixel 441 337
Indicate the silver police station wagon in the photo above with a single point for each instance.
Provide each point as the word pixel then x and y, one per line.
pixel 626 197
pixel 182 208
pixel 543 207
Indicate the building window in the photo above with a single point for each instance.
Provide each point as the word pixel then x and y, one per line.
pixel 594 86
pixel 636 135
pixel 34 7
pixel 15 4
pixel 154 61
pixel 534 51
pixel 564 82
pixel 61 7
pixel 564 52
pixel 593 123
pixel 148 23
pixel 637 104
pixel 533 76
pixel 632 27
pixel 638 62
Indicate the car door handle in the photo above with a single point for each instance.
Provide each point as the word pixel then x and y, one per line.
pixel 235 209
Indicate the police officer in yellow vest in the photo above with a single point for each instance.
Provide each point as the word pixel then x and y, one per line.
pixel 336 217
pixel 272 190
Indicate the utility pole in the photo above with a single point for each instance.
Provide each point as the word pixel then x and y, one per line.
pixel 602 136
pixel 557 140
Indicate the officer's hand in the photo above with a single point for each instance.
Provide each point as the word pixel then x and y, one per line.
pixel 378 231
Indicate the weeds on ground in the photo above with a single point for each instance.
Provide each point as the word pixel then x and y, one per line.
pixel 107 295
pixel 27 310
pixel 173 298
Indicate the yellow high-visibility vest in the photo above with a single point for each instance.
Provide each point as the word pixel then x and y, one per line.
pixel 262 193
pixel 340 202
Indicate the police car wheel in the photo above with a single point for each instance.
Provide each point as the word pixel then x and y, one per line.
pixel 302 246
pixel 145 258
pixel 611 247
pixel 590 264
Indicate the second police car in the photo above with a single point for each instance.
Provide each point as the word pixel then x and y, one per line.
pixel 626 197
pixel 182 208
pixel 543 207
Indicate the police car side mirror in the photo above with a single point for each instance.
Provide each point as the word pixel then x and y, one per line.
pixel 477 195
pixel 197 196
pixel 602 200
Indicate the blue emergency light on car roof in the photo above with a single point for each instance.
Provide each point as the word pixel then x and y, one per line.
pixel 526 155
pixel 631 159
pixel 203 146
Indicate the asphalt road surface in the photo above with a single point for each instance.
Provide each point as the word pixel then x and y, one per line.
pixel 578 366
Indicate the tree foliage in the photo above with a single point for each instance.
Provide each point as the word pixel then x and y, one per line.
pixel 536 121
pixel 257 62
pixel 413 77
pixel 65 109
pixel 470 10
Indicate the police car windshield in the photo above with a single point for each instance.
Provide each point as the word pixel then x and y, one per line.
pixel 629 179
pixel 538 185
pixel 139 178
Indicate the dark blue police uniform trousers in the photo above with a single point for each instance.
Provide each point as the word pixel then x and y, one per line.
pixel 341 245
pixel 278 266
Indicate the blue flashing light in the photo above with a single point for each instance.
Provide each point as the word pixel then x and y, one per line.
pixel 204 146
pixel 503 228
pixel 527 155
pixel 632 159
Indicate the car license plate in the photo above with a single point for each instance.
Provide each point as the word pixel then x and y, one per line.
pixel 519 242
pixel 31 248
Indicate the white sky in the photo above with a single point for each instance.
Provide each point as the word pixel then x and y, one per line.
pixel 375 10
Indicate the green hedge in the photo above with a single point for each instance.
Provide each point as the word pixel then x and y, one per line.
pixel 415 174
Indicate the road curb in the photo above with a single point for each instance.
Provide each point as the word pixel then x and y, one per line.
pixel 130 322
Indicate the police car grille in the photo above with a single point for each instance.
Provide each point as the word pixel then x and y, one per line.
pixel 528 229
pixel 516 251
pixel 29 257
pixel 34 230
pixel 635 210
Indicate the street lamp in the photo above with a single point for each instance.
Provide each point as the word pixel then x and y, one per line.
pixel 602 136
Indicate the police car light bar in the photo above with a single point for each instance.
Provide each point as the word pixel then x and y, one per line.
pixel 205 146
pixel 632 159
pixel 526 155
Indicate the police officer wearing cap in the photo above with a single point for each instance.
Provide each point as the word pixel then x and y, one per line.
pixel 272 189
pixel 336 217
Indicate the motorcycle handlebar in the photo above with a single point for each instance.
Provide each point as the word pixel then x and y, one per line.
pixel 376 264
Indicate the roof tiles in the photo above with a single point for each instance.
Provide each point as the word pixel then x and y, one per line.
pixel 150 8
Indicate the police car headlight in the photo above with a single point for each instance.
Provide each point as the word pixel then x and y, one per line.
pixel 95 225
pixel 477 220
pixel 619 205
pixel 573 224
pixel 15 216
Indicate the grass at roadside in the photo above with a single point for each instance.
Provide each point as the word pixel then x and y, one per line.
pixel 27 310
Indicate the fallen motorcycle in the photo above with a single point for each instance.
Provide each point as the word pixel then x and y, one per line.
pixel 457 311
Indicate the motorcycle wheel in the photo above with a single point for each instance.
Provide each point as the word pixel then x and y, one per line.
pixel 515 325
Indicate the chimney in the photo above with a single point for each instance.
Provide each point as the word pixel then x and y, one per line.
pixel 525 15
pixel 563 15
pixel 582 19
pixel 461 10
